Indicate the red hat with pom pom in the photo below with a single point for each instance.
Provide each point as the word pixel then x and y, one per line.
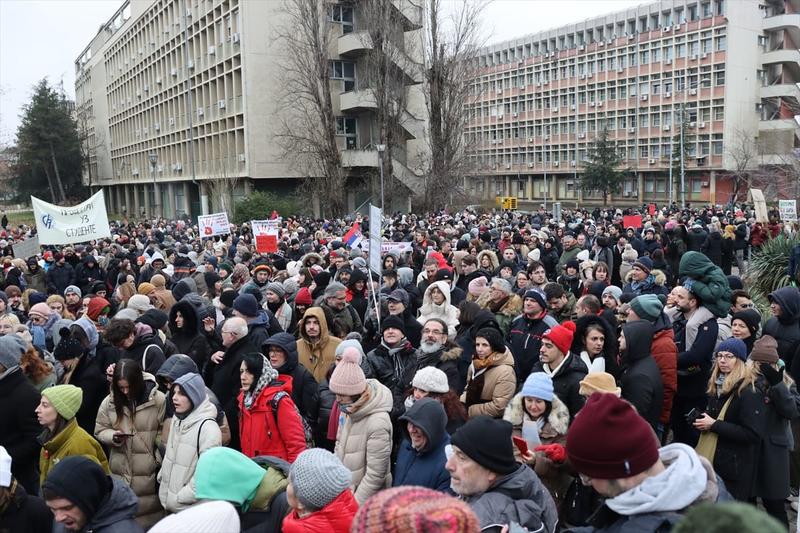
pixel 561 335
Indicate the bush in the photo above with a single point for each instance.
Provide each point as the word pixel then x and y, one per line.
pixel 259 205
pixel 766 270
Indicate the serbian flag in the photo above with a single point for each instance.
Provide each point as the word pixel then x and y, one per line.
pixel 353 237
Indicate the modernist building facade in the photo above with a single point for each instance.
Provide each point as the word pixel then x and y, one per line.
pixel 729 67
pixel 173 95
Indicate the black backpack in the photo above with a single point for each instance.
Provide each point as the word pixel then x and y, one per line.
pixel 307 432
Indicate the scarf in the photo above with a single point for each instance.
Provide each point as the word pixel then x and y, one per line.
pixel 495 307
pixel 425 358
pixel 700 316
pixel 481 364
pixel 598 364
pixel 393 353
pixel 268 375
pixel 647 283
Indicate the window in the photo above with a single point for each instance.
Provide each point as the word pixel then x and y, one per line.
pixel 343 15
pixel 721 43
pixel 706 9
pixel 344 70
pixel 719 78
pixel 693 13
pixel 697 186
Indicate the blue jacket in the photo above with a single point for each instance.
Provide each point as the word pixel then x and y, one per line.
pixel 424 468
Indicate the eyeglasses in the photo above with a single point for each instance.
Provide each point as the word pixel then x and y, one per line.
pixel 725 355
pixel 432 332
pixel 231 333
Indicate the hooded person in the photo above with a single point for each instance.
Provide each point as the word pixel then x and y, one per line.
pixel 35 276
pixel 162 298
pixel 87 273
pixel 491 380
pixel 83 497
pixel 315 345
pixel 421 457
pixel 641 379
pixel 184 324
pixel 193 431
pixel 260 323
pixel 784 326
pixel 745 325
pixel 707 281
pixel 436 304
pixel 282 353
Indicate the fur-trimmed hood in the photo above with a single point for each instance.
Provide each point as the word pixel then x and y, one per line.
pixel 492 258
pixel 451 353
pixel 558 420
pixel 512 308
pixel 658 275
pixel 305 258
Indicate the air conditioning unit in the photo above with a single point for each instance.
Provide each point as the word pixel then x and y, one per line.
pixel 554 109
pixel 499 91
pixel 508 166
pixel 581 136
pixel 692 124
pixel 677 27
pixel 515 115
pixel 200 112
pixel 620 70
pixel 138 133
pixel 702 125
pixel 644 97
pixel 601 43
pixel 212 50
pixel 173 72
pixel 703 56
pixel 135 172
pixel 146 87
pixel 667 95
pixel 157 126
pixel 530 165
pixel 572 107
pixel 599 104
pixel 666 127
pixel 500 115
pixel 190 65
pixel 221 104
pixel 630 37
pixel 241 158
pixel 530 139
pixel 144 131
pixel 572 163
pixel 631 130
pixel 626 193
pixel 590 74
pixel 546 137
pixel 583 76
pixel 235 37
pixel 581 48
pixel 705 183
pixel 189 13
pixel 652 161
pixel 693 91
pixel 556 163
pixel 139 94
pixel 666 29
pixel 178 167
pixel 591 104
pixel 520 63
pixel 171 121
pixel 158 81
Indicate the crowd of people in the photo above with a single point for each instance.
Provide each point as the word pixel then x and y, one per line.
pixel 503 372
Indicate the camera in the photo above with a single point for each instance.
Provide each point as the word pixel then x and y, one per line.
pixel 693 415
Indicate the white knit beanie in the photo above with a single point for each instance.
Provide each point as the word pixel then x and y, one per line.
pixel 431 379
pixel 209 517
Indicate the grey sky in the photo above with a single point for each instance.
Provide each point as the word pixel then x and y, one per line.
pixel 42 38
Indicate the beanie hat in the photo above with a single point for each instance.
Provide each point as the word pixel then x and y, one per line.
pixel 68 346
pixel 431 379
pixel 227 267
pixel 614 291
pixel 41 309
pixel 411 509
pixel 350 343
pixel 227 297
pixel 4 297
pixel 629 254
pixel 139 303
pixel 289 286
pixel 348 379
pixel 146 288
pixel 215 516
pixel 493 337
pixel 73 289
pixel 538 295
pixel 478 286
pixel 599 382
pixel 750 317
pixel 561 335
pixel 318 477
pixel 98 306
pixel 728 516
pixel 37 298
pixel 81 481
pixel 647 307
pixel 303 297
pixel 158 281
pixel 609 440
pixel 538 385
pixel 644 263
pixel 765 350
pixel 393 321
pixel 572 263
pixel 12 347
pixel 276 288
pixel 66 399
pixel 155 318
pixel 246 304
pixel 5 468
pixel 487 441
pixel 735 346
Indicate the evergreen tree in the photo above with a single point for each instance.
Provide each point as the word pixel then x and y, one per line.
pixel 681 123
pixel 48 147
pixel 601 171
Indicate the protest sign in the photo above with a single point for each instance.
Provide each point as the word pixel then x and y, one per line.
pixel 265 233
pixel 214 224
pixel 375 222
pixel 27 248
pixel 267 243
pixel 84 222
pixel 759 205
pixel 386 247
pixel 632 221
pixel 788 209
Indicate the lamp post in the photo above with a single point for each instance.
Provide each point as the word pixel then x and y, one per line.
pixel 381 149
pixel 153 156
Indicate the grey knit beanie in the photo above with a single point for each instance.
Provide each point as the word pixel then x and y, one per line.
pixel 277 288
pixel 318 477
pixel 290 286
pixel 11 349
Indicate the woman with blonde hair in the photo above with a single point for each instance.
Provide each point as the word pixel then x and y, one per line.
pixel 733 423
pixel 57 303
pixel 8 323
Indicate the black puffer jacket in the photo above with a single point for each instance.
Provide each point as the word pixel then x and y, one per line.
pixel 87 273
pixel 148 347
pixel 712 247
pixel 786 328
pixel 466 340
pixel 525 339
pixel 395 371
pixel 19 427
pixel 189 339
pixel 59 278
pixel 305 390
pixel 641 379
pixel 566 382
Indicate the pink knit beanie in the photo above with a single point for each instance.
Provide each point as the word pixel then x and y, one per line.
pixel 478 286
pixel 41 309
pixel 348 379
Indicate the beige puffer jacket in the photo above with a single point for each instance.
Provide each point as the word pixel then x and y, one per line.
pixel 180 457
pixel 499 385
pixel 364 441
pixel 136 460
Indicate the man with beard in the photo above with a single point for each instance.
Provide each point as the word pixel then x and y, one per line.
pixel 35 277
pixel 335 301
pixel 436 350
pixel 570 252
pixel 538 275
pixel 525 335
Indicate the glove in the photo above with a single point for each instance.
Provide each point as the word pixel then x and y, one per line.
pixel 555 452
pixel 773 377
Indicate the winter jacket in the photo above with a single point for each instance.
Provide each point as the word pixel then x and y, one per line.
pixel 566 257
pixel 19 426
pixel 336 517
pixel 445 311
pixel 92 381
pixel 59 277
pixel 446 360
pixel 36 280
pixel 305 390
pixel 506 314
pixel 25 513
pixel 346 316
pixel 317 356
pixel 466 341
pixel 364 441
pixel 147 348
pixel 665 354
pixel 394 368
pixel 189 339
pixel 651 285
pixel 262 431
pixel 641 378
pixel 489 390
pixel 261 327
pixel 517 497
pixel 708 282
pixel 327 399
pixel 712 247
pixel 695 359
pixel 695 239
pixel 115 514
pixel 566 381
pixel 176 477
pixel 135 460
pixel 86 275
pixel 772 471
pixel 72 440
pixel 525 340
pixel 786 328
pixel 425 467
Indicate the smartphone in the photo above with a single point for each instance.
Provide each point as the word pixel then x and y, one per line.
pixel 521 444
pixel 693 415
pixel 124 434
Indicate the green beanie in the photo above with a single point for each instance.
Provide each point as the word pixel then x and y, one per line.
pixel 66 399
pixel 647 307
pixel 728 516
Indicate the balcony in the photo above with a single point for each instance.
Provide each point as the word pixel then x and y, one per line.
pixel 785 21
pixel 411 13
pixel 411 69
pixel 412 125
pixel 369 159
pixel 781 90
pixel 357 101
pixel 781 56
pixel 354 44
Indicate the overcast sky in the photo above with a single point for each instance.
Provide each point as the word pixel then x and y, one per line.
pixel 42 38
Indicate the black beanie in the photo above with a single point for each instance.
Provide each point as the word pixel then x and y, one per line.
pixel 227 297
pixel 81 481
pixel 155 318
pixel 751 319
pixel 493 337
pixel 393 321
pixel 487 441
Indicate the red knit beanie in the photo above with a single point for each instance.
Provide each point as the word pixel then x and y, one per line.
pixel 303 297
pixel 97 306
pixel 561 336
pixel 609 440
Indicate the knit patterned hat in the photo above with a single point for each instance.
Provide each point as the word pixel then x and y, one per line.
pixel 348 379
pixel 276 288
pixel 537 295
pixel 765 350
pixel 735 346
pixel 647 307
pixel 43 310
pixel 318 477
pixel 609 440
pixel 412 509
pixel 431 379
pixel 561 335
pixel 11 349
pixel 303 297
pixel 538 385
pixel 146 288
pixel 599 382
pixel 629 254
pixel 66 399
pixel 68 346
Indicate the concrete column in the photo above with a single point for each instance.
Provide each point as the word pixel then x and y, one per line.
pixel 314 205
pixel 351 201
pixel 149 208
pixel 507 189
pixel 640 188
pixel 552 180
pixel 186 200
pixel 531 193
pixel 248 187
pixel 136 208
pixel 203 190
pixel 488 194
pixel 127 195
pixel 712 187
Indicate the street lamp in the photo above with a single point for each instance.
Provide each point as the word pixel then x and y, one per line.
pixel 153 156
pixel 381 149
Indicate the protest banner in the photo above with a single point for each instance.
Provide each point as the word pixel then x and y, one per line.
pixel 84 222
pixel 27 248
pixel 632 221
pixel 386 247
pixel 214 224
pixel 788 210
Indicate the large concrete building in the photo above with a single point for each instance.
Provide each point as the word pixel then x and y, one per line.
pixel 174 95
pixel 732 66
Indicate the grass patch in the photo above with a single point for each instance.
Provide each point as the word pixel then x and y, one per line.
pixel 20 217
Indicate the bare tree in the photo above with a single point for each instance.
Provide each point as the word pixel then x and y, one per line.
pixel 743 152
pixel 450 44
pixel 221 189
pixel 308 123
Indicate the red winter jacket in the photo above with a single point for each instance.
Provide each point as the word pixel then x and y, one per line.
pixel 665 354
pixel 336 517
pixel 258 431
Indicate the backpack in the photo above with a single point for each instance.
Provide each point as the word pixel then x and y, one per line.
pixel 307 432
